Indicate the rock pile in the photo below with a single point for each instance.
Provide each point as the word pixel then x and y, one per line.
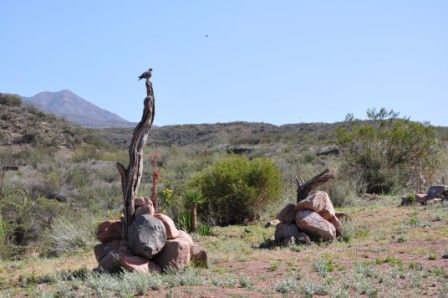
pixel 435 194
pixel 313 218
pixel 154 243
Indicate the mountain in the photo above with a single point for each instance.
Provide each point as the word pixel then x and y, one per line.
pixel 76 109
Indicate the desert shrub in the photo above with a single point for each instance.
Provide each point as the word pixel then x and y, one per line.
pixel 68 236
pixel 24 220
pixel 10 100
pixel 237 188
pixel 388 152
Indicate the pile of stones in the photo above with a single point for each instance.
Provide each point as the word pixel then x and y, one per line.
pixel 312 219
pixel 154 244
pixel 435 194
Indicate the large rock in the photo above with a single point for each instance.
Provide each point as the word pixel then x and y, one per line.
pixel 102 249
pixel 171 231
pixel 437 191
pixel 315 225
pixel 185 236
pixel 138 264
pixel 109 230
pixel 320 202
pixel 146 236
pixel 288 234
pixel 287 214
pixel 199 256
pixel 176 254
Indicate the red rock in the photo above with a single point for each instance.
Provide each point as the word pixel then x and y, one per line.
pixel 102 249
pixel 171 231
pixel 138 264
pixel 138 202
pixel 185 236
pixel 175 254
pixel 320 202
pixel 287 214
pixel 145 209
pixel 199 256
pixel 315 225
pixel 109 230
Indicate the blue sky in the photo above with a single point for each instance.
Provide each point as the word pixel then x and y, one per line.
pixel 270 61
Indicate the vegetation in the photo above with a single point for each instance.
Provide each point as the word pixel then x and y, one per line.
pixel 237 188
pixel 67 183
pixel 389 153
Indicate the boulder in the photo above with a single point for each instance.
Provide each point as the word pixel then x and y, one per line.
pixel 272 223
pixel 185 236
pixel 315 225
pixel 437 191
pixel 199 256
pixel 176 254
pixel 109 230
pixel 320 203
pixel 145 209
pixel 287 214
pixel 171 231
pixel 288 234
pixel 110 263
pixel 146 236
pixel 138 264
pixel 102 249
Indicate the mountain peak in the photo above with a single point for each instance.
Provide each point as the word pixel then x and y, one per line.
pixel 76 109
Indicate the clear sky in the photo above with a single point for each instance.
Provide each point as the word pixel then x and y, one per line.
pixel 218 61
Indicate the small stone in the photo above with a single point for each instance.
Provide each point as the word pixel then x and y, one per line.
pixel 145 209
pixel 110 263
pixel 272 223
pixel 139 202
pixel 102 249
pixel 289 234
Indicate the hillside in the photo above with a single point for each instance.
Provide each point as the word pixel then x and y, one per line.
pixel 26 125
pixel 72 107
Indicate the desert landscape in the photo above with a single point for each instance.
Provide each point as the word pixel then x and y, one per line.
pixel 245 171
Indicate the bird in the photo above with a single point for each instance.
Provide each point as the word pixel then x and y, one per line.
pixel 146 75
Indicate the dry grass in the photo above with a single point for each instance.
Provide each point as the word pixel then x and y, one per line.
pixel 389 251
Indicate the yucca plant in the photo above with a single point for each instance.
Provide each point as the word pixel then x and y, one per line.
pixel 194 198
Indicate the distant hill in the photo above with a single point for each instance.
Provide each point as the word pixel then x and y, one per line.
pixel 75 109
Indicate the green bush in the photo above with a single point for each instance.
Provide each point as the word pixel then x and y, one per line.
pixel 237 189
pixel 10 100
pixel 388 153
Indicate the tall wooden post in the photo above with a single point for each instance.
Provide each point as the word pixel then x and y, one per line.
pixel 131 176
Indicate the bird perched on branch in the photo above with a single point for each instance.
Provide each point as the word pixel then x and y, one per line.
pixel 146 75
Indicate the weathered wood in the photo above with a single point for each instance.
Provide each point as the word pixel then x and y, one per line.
pixel 131 176
pixel 304 188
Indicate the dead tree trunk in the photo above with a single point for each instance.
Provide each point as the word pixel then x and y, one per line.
pixel 131 176
pixel 304 188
